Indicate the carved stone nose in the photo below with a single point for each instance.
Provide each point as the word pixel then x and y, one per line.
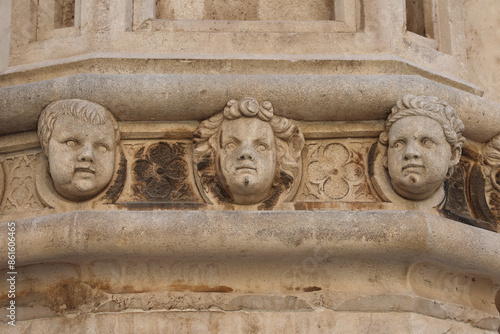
pixel 246 155
pixel 411 152
pixel 411 155
pixel 86 155
pixel 246 152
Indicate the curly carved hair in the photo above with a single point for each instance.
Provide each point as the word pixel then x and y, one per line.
pixel 432 107
pixel 289 142
pixel 82 109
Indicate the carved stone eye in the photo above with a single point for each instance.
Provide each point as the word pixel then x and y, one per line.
pixel 397 145
pixel 230 146
pixel 71 143
pixel 102 148
pixel 262 147
pixel 427 142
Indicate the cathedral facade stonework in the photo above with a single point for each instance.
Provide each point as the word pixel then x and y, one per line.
pixel 255 166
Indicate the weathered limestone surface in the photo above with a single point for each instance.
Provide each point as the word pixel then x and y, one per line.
pixel 5 8
pixel 247 184
pixel 358 28
pixel 465 46
pixel 482 45
pixel 188 97
pixel 320 270
pixel 322 321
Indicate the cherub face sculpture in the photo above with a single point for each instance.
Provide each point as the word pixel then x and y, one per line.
pixel 79 138
pixel 246 154
pixel 247 159
pixel 424 138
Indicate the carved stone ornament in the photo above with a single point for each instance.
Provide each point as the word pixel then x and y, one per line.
pixel 161 173
pixel 490 169
pixel 417 152
pixel 336 171
pixel 246 155
pixel 19 182
pixel 80 140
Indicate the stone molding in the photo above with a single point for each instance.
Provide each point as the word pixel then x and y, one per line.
pixel 196 97
pixel 403 236
pixel 342 261
pixel 297 64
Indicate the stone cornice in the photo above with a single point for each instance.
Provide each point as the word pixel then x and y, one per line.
pixel 261 64
pixel 386 236
pixel 145 97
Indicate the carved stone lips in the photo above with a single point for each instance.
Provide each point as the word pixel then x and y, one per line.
pixel 245 167
pixel 412 166
pixel 85 170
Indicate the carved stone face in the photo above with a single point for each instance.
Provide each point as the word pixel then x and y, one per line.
pixel 81 157
pixel 419 157
pixel 247 159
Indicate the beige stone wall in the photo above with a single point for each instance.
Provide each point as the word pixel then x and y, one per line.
pixel 467 42
pixel 136 28
pixel 482 22
pixel 5 7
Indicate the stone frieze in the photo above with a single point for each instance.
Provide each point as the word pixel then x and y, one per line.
pixel 247 157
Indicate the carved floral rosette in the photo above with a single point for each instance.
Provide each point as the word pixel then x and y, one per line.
pixel 336 171
pixel 161 173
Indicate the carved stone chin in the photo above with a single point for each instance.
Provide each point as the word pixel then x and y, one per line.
pixel 79 139
pixel 246 155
